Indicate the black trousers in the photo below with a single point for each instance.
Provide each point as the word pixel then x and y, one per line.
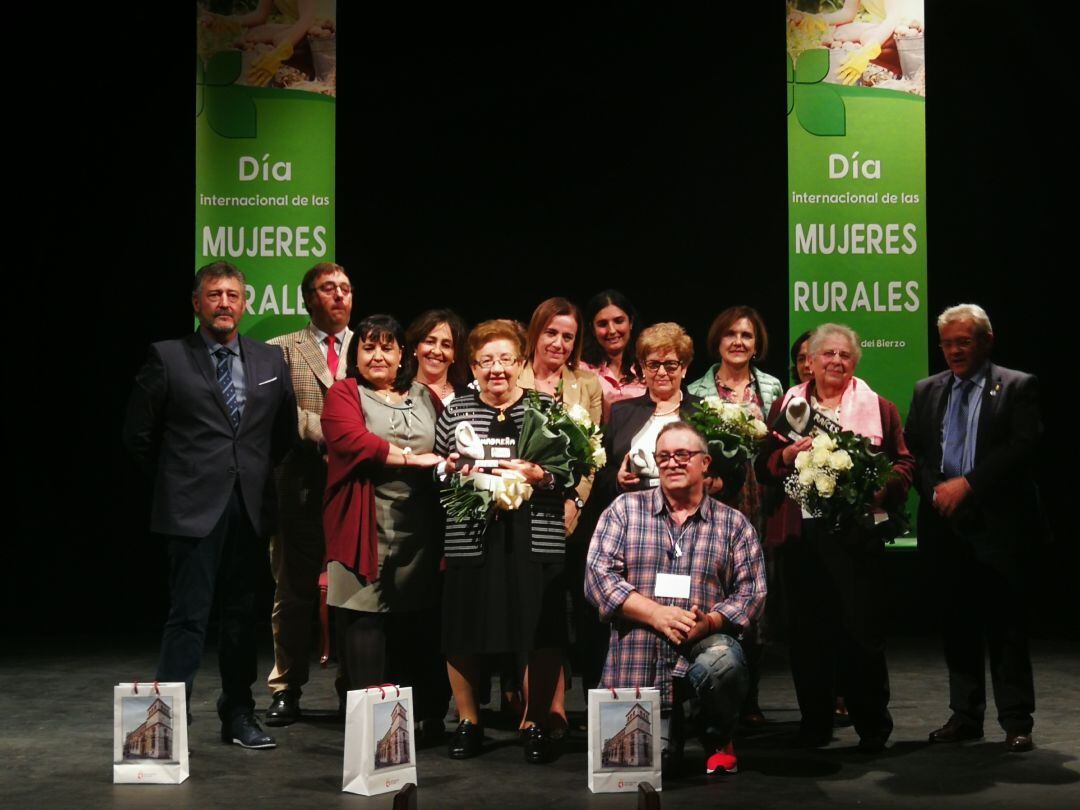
pixel 983 612
pixel 835 593
pixel 232 558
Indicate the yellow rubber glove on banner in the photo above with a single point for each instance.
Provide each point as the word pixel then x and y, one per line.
pixel 262 70
pixel 857 63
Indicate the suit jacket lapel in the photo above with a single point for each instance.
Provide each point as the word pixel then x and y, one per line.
pixel 309 349
pixel 252 390
pixel 342 351
pixel 939 403
pixel 201 358
pixel 991 389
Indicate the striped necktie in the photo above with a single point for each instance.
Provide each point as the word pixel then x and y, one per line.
pixel 224 378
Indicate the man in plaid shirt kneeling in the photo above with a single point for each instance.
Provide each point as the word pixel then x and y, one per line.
pixel 679 575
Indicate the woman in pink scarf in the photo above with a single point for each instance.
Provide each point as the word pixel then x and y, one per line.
pixel 836 587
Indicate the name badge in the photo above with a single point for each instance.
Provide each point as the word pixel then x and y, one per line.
pixel 675 586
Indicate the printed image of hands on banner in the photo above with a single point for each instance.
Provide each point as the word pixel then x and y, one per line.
pixel 288 45
pixel 870 43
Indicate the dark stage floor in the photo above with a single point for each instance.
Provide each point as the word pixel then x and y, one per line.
pixel 56 737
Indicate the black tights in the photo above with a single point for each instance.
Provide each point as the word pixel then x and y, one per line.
pixel 378 648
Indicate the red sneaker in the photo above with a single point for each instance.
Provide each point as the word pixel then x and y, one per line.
pixel 723 761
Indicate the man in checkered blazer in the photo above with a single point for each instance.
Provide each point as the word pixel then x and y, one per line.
pixel 316 358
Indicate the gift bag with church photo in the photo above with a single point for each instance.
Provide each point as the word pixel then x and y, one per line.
pixel 624 739
pixel 380 753
pixel 150 741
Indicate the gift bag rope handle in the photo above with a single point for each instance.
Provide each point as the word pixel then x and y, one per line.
pixel 135 687
pixel 382 690
pixel 637 691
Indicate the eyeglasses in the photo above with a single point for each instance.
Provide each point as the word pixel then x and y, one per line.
pixel 833 354
pixel 486 363
pixel 670 366
pixel 329 287
pixel 682 457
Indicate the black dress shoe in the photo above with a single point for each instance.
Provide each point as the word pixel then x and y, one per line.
pixel 466 740
pixel 871 744
pixel 284 708
pixel 245 732
pixel 1018 743
pixel 538 745
pixel 956 730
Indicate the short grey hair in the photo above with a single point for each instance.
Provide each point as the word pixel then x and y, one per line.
pixel 671 427
pixel 829 329
pixel 213 271
pixel 966 312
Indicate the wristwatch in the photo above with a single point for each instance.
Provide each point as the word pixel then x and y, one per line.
pixel 580 504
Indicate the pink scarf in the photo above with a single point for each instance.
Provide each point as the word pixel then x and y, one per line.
pixel 859 409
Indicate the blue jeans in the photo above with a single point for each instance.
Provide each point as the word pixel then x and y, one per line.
pixel 715 686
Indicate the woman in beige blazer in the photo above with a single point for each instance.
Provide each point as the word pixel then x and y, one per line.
pixel 553 365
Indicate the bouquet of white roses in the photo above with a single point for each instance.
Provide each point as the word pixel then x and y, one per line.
pixel 731 430
pixel 564 441
pixel 837 479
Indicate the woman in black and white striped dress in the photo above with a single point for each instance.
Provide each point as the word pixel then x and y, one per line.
pixel 503 589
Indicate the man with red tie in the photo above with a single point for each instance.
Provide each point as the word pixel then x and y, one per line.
pixel 316 358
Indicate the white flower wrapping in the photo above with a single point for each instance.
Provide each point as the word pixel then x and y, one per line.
pixel 508 488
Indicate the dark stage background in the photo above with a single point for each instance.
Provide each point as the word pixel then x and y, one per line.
pixel 487 161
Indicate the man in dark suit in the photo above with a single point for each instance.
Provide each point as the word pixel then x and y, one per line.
pixel 975 430
pixel 209 416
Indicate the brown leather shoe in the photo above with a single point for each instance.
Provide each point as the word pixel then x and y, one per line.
pixel 1018 743
pixel 955 731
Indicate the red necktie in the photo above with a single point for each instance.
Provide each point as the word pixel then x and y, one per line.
pixel 331 356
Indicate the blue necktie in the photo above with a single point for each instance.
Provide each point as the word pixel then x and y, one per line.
pixel 956 432
pixel 224 378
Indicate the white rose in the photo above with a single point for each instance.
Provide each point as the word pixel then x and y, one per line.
pixel 713 403
pixel 579 414
pixel 758 428
pixel 806 477
pixel 840 460
pixel 819 456
pixel 599 457
pixel 731 411
pixel 802 461
pixel 825 485
pixel 824 441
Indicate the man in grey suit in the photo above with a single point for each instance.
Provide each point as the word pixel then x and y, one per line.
pixel 208 418
pixel 316 358
pixel 975 432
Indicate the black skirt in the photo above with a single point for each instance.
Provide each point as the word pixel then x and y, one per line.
pixel 511 602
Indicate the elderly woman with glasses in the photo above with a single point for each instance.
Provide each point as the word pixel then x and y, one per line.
pixel 504 591
pixel 834 581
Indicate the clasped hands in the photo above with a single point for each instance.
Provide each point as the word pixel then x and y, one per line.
pixel 681 626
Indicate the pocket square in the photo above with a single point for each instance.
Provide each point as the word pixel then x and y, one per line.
pixel 264 382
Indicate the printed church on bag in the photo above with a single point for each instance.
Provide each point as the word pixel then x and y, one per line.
pixel 393 748
pixel 154 737
pixel 631 747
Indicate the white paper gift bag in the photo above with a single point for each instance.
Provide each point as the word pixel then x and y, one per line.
pixel 150 739
pixel 624 739
pixel 380 750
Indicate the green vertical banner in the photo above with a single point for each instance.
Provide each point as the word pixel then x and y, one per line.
pixel 265 94
pixel 856 86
